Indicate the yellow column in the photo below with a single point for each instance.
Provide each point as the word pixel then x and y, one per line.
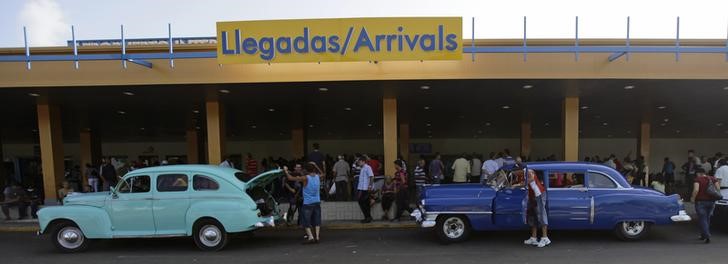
pixel 193 146
pixel 215 129
pixel 89 151
pixel 526 138
pixel 404 141
pixel 570 132
pixel 51 148
pixel 389 109
pixel 298 143
pixel 645 146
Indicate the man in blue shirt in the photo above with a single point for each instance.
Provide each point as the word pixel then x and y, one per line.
pixel 363 188
pixel 311 200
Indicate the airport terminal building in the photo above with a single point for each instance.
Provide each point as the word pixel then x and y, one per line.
pixel 386 86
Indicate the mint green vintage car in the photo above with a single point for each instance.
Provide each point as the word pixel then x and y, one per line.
pixel 201 201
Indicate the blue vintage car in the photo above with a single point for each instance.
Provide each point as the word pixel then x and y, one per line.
pixel 581 196
pixel 205 202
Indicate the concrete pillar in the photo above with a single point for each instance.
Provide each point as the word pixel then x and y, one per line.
pixel 404 141
pixel 644 147
pixel 51 148
pixel 526 139
pixel 193 146
pixel 215 128
pixel 298 142
pixel 90 151
pixel 570 131
pixel 389 109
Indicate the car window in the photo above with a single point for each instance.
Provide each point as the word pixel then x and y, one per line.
pixel 135 184
pixel 204 183
pixel 172 183
pixel 564 180
pixel 598 180
pixel 243 177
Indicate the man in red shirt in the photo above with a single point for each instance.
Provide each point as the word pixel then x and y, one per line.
pixel 536 215
pixel 251 166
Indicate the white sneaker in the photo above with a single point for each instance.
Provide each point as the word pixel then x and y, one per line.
pixel 531 241
pixel 545 241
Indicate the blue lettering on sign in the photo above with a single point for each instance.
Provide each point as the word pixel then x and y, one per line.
pixel 267 47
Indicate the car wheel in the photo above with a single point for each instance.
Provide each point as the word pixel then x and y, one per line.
pixel 209 235
pixel 452 228
pixel 68 238
pixel 632 230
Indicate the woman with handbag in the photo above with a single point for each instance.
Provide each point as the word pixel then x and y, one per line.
pixel 704 197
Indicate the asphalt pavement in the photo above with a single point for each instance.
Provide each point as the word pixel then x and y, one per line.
pixel 667 244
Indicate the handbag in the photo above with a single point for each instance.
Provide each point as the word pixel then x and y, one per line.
pixel 332 190
pixel 712 191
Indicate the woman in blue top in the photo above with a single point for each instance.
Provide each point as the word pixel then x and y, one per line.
pixel 311 209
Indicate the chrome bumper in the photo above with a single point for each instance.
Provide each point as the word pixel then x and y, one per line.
pixel 423 219
pixel 266 222
pixel 682 216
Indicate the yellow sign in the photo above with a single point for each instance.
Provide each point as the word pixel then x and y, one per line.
pixel 345 39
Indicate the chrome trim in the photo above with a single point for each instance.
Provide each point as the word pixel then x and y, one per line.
pixel 578 219
pixel 591 212
pixel 580 207
pixel 149 236
pixel 460 212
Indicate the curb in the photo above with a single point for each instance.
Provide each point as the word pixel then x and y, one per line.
pixel 6 229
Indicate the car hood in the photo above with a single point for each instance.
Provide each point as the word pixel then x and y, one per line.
pixel 263 179
pixel 93 199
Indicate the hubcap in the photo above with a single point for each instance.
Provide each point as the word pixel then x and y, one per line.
pixel 70 237
pixel 633 228
pixel 453 227
pixel 210 235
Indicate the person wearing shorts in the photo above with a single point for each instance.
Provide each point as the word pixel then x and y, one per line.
pixel 311 209
pixel 536 214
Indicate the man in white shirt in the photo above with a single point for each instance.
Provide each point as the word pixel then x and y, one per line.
pixel 461 169
pixel 364 188
pixel 722 173
pixel 489 167
pixel 610 162
pixel 226 163
pixel 500 160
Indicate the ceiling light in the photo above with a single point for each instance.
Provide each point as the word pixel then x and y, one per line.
pixel 253 126
pixel 225 91
pixel 430 136
pixel 310 125
pixel 677 131
pixel 719 124
pixel 142 129
pixel 34 94
pixel 128 93
pixel 605 124
pixel 271 109
pixel 198 128
pixel 666 120
pixel 546 124
pixel 428 124
pixel 370 125
pixel 195 111
pixel 725 88
pixel 629 87
pixel 487 123
pixel 347 108
pixel 506 107
pixel 35 130
pixel 480 131
pixel 584 107
pixel 527 86
pixel 425 87
pixel 324 89
pixel 427 108
pixel 663 124
pixel 662 107
pixel 120 112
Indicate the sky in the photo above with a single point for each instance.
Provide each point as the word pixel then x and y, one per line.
pixel 49 22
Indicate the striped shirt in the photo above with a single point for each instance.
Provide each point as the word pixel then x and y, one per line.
pixel 420 175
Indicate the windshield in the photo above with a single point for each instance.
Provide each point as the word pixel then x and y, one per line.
pixel 243 177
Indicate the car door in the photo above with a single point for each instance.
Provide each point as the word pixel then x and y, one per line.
pixel 171 202
pixel 569 203
pixel 130 207
pixel 607 202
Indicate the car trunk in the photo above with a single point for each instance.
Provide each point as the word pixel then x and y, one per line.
pixel 258 189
